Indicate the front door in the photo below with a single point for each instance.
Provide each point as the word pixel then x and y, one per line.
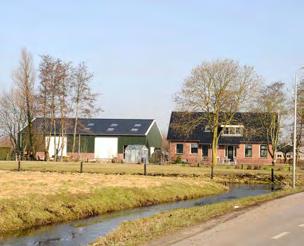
pixel 230 153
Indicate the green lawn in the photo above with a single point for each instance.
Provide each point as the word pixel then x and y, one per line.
pixel 222 173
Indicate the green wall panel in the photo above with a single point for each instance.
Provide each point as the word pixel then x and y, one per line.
pixel 154 138
pixel 86 143
pixel 128 140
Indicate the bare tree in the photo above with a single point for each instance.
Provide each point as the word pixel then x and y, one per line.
pixel 48 89
pixel 24 78
pixel 272 104
pixel 300 118
pixel 220 89
pixel 83 99
pixel 44 99
pixel 12 118
pixel 63 73
pixel 54 84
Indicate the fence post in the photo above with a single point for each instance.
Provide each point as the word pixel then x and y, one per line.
pixel 145 166
pixel 81 166
pixel 272 178
pixel 19 164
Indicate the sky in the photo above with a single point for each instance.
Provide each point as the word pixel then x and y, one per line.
pixel 140 52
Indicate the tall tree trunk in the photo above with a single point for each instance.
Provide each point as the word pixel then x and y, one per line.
pixel 75 129
pixel 30 132
pixel 214 151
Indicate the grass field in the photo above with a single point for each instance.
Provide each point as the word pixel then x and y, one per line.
pixel 140 231
pixel 29 199
pixel 222 173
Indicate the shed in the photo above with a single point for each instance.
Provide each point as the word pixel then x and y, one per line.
pixel 136 153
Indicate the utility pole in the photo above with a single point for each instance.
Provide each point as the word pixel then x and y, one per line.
pixel 294 135
pixel 295 130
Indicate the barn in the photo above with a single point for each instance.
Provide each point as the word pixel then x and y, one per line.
pixel 100 139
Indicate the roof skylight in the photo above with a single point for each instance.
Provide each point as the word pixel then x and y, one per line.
pixel 134 130
pixel 110 129
pixel 114 124
pixel 137 125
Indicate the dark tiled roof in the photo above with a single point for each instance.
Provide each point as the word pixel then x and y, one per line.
pixel 108 127
pixel 253 128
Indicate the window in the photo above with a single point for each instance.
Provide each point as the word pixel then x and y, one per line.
pixel 194 148
pixel 248 150
pixel 238 131
pixel 226 131
pixel 232 130
pixel 263 150
pixel 205 150
pixel 179 148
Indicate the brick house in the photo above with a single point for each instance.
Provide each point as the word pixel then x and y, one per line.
pixel 243 141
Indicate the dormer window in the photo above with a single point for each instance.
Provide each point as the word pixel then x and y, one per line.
pixel 232 130
pixel 207 129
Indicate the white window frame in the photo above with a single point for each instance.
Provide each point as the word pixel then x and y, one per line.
pixel 245 151
pixel 241 127
pixel 266 151
pixel 234 150
pixel 191 149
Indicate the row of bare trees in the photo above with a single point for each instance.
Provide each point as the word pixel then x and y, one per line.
pixel 63 91
pixel 223 87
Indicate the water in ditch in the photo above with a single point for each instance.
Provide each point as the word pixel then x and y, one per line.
pixel 82 232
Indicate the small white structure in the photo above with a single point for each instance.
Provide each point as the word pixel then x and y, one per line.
pixel 279 155
pixel 136 154
pixel 105 147
pixel 56 144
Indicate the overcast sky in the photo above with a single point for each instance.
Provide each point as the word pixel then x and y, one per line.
pixel 141 51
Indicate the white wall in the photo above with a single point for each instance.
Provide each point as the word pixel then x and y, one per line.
pixel 152 149
pixel 60 143
pixel 106 147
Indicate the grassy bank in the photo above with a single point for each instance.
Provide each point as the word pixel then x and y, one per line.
pixel 222 173
pixel 140 231
pixel 30 199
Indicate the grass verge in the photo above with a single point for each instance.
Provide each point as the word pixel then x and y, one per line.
pixel 31 199
pixel 140 231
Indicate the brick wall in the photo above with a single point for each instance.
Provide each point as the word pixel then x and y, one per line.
pixel 187 155
pixel 81 156
pixel 255 159
pixel 240 154
pixel 72 156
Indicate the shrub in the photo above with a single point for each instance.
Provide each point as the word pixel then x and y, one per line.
pixel 178 160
